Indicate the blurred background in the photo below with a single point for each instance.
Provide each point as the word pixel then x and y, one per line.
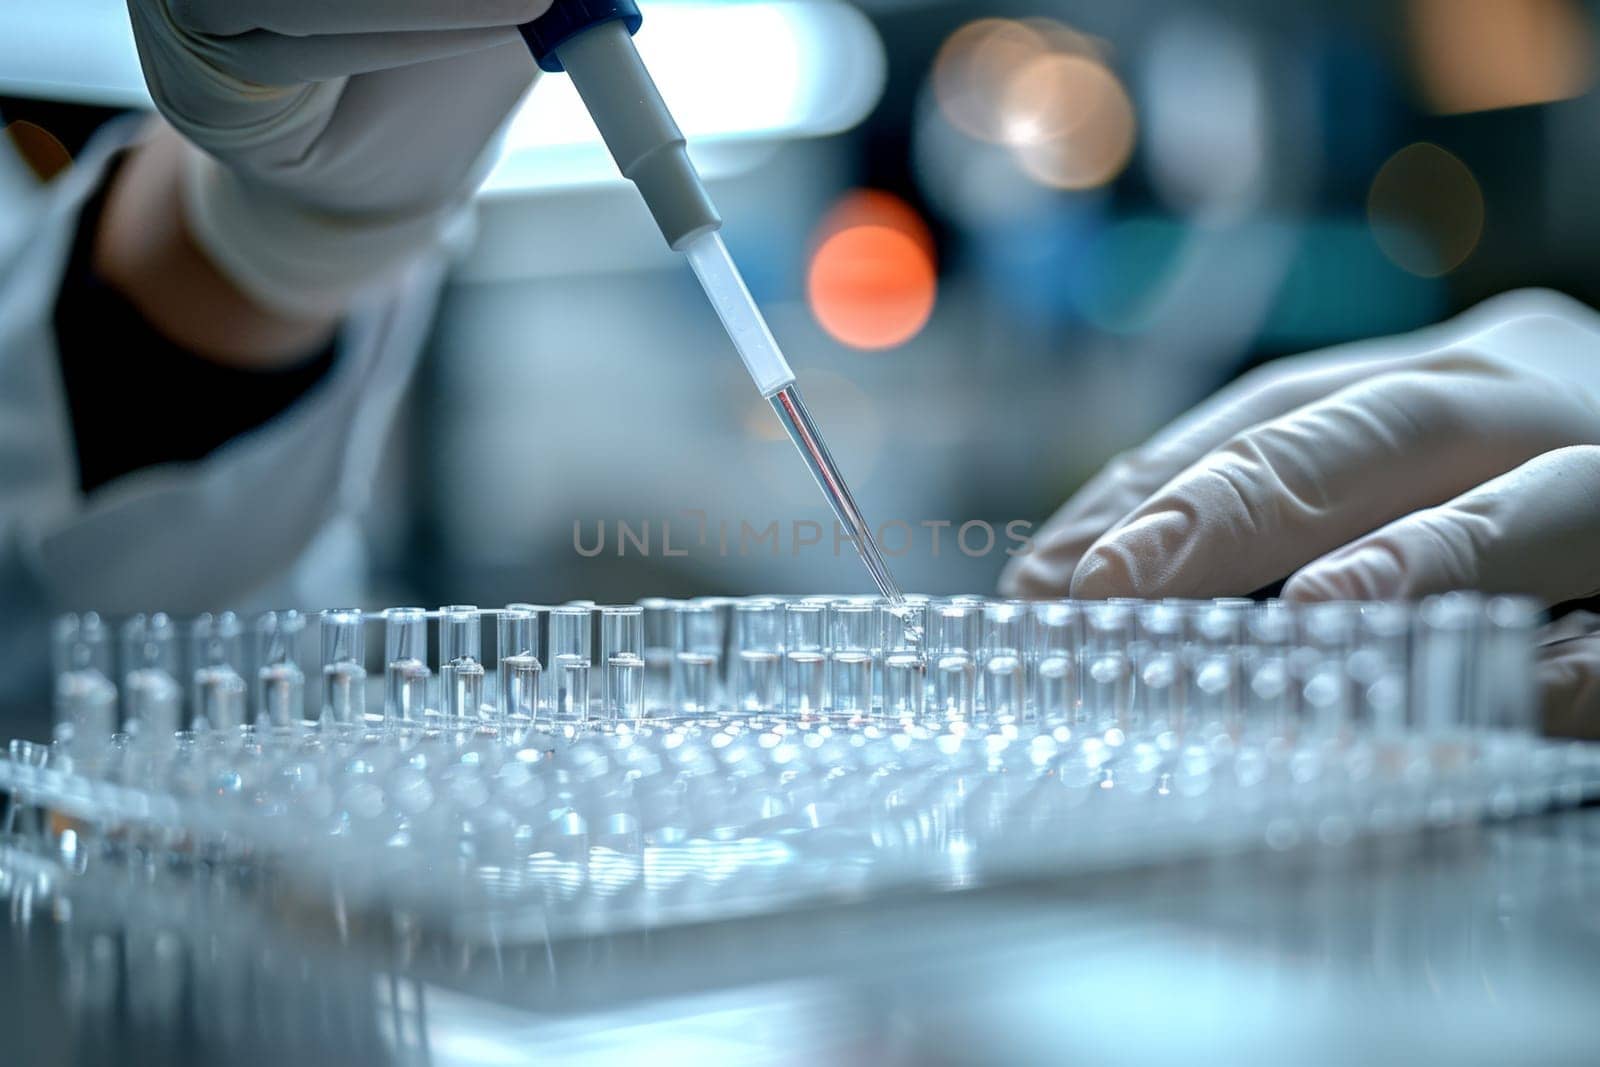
pixel 1000 242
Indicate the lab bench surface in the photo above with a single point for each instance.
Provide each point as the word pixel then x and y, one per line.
pixel 1471 945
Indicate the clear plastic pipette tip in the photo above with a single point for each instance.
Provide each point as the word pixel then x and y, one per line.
pixel 748 330
pixel 791 411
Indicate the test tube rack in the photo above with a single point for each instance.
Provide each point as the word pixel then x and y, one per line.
pixel 722 756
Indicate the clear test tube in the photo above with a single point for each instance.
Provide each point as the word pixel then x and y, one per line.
pixel 905 658
pixel 724 609
pixel 852 636
pixel 85 697
pixel 658 647
pixel 541 618
pixel 217 690
pixel 1271 698
pixel 758 664
pixel 916 632
pixel 1327 636
pixel 823 602
pixel 805 660
pixel 1056 638
pixel 1108 668
pixel 461 670
pixel 697 655
pixel 594 624
pixel 1159 690
pixel 152 698
pixel 1005 696
pixel 280 683
pixel 405 665
pixel 914 629
pixel 622 663
pixel 344 672
pixel 1507 710
pixel 1443 675
pixel 1378 668
pixel 1508 696
pixel 541 622
pixel 1189 610
pixel 517 645
pixel 953 643
pixel 1216 668
pixel 570 660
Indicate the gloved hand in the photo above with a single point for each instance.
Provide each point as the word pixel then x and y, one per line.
pixel 338 138
pixel 1374 477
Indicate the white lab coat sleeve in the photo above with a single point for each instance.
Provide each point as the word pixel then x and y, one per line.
pixel 266 518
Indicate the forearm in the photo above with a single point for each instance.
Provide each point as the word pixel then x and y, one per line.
pixel 160 359
pixel 143 249
pixel 137 472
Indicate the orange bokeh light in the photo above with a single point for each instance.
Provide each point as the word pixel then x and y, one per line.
pixel 872 282
pixel 874 207
pixel 1478 55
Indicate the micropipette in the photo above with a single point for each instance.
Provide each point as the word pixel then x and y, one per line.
pixel 592 40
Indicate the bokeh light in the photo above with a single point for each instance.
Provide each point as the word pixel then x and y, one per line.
pixel 1059 37
pixel 971 183
pixel 1071 122
pixel 973 67
pixel 1426 210
pixel 1049 97
pixel 1477 55
pixel 1043 90
pixel 874 207
pixel 872 282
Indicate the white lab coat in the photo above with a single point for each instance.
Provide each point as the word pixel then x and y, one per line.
pixel 267 520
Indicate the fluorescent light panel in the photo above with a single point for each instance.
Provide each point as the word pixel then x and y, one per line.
pixel 729 71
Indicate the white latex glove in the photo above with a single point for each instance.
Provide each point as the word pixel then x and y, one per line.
pixel 339 138
pixel 1364 476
